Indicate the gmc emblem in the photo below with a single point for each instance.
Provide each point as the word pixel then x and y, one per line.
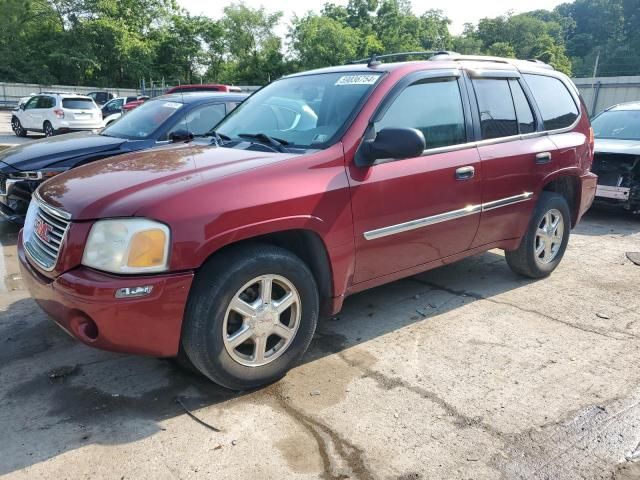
pixel 42 230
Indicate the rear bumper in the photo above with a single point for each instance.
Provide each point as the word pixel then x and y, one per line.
pixel 82 301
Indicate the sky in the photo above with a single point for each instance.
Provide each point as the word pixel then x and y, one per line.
pixel 459 11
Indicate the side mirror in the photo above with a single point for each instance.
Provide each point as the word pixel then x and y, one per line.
pixel 22 106
pixel 180 136
pixel 396 143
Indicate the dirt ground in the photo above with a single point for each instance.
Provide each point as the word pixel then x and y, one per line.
pixel 464 372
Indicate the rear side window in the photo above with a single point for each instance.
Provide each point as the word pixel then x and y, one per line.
pixel 497 113
pixel 78 104
pixel 526 121
pixel 434 108
pixel 554 101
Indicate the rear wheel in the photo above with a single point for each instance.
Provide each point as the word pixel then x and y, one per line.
pixel 545 242
pixel 16 126
pixel 250 317
pixel 48 129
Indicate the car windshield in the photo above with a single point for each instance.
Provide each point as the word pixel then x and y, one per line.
pixel 307 111
pixel 140 123
pixel 617 124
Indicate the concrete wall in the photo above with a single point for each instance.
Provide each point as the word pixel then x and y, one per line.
pixel 10 93
pixel 603 92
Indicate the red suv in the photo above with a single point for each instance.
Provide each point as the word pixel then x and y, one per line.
pixel 206 87
pixel 226 250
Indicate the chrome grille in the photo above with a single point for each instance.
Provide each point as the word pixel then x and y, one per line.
pixel 44 233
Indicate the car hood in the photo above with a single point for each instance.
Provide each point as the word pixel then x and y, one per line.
pixel 605 145
pixel 124 185
pixel 49 152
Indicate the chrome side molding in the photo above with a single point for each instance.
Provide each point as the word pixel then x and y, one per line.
pixel 446 216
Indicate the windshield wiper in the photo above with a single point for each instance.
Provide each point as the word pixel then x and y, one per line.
pixel 218 138
pixel 277 143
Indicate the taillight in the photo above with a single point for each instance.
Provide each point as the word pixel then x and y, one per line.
pixel 59 113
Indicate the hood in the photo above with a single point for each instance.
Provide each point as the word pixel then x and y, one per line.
pixel 121 186
pixel 53 151
pixel 606 145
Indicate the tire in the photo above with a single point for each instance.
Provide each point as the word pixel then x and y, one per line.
pixel 48 130
pixel 17 128
pixel 528 260
pixel 211 321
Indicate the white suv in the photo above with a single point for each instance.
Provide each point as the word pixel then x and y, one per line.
pixel 53 113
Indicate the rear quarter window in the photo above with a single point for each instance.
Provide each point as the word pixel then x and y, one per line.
pixel 556 104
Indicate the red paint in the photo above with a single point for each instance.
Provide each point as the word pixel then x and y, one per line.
pixel 212 197
pixel 206 87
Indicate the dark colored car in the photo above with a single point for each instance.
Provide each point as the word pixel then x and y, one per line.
pixel 206 87
pixel 320 185
pixel 101 97
pixel 617 156
pixel 23 168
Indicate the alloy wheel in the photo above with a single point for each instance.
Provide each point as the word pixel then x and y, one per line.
pixel 261 320
pixel 549 236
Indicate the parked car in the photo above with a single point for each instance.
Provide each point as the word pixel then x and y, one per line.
pixel 56 113
pixel 112 110
pixel 162 120
pixel 207 87
pixel 617 156
pixel 101 97
pixel 127 107
pixel 227 255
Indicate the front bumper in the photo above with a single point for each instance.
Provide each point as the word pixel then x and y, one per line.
pixel 82 301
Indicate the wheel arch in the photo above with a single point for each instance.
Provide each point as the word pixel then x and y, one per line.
pixel 306 244
pixel 567 185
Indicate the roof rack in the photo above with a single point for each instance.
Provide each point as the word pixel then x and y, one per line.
pixel 374 60
pixel 456 57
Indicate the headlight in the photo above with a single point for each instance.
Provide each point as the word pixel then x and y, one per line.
pixel 130 245
pixel 36 175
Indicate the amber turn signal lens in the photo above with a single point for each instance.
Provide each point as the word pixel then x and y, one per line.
pixel 147 249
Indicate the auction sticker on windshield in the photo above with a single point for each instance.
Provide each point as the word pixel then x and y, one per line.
pixel 357 80
pixel 172 105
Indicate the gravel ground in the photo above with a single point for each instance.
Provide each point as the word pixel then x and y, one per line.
pixel 464 372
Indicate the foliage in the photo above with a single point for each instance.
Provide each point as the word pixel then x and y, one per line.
pixel 117 42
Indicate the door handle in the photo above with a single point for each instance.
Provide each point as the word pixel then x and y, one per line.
pixel 543 157
pixel 465 173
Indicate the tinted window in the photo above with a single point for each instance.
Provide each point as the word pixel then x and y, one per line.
pixel 497 114
pixel 78 104
pixel 46 102
pixel 619 124
pixel 434 108
pixel 201 120
pixel 31 103
pixel 526 122
pixel 554 101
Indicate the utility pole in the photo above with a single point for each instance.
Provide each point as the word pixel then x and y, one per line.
pixel 594 93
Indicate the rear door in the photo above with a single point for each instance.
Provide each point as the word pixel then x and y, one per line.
pixel 515 155
pixel 413 211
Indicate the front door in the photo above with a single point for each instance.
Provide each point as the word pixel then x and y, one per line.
pixel 28 119
pixel 413 211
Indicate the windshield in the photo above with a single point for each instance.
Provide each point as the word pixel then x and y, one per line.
pixel 617 124
pixel 307 111
pixel 140 123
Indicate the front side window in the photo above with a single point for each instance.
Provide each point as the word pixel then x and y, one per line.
pixel 497 113
pixel 143 121
pixel 617 124
pixel 556 104
pixel 432 106
pixel 201 120
pixel 307 111
pixel 32 103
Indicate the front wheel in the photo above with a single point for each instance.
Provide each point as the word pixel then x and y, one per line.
pixel 17 128
pixel 250 317
pixel 545 242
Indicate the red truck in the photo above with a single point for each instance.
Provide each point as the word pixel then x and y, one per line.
pixel 226 250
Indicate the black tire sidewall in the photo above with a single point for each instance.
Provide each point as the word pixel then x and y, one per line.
pixel 53 132
pixel 202 333
pixel 20 131
pixel 548 201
